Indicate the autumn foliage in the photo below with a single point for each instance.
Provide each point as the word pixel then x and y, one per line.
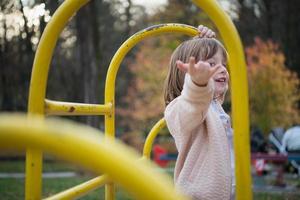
pixel 273 88
pixel 144 105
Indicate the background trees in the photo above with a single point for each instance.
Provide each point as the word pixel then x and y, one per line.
pixel 277 20
pixel 266 30
pixel 273 88
pixel 143 105
pixel 87 44
pixel 82 55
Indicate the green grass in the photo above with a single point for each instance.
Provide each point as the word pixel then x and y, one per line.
pixel 268 196
pixel 13 189
pixel 19 166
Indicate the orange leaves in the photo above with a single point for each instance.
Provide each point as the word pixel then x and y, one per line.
pixel 273 88
pixel 264 54
pixel 144 98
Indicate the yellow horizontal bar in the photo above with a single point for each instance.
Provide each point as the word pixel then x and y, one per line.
pixel 151 136
pixel 68 108
pixel 82 189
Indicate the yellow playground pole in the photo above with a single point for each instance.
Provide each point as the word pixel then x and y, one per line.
pixel 239 95
pixel 37 89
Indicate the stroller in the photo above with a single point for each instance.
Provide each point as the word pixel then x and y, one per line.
pixel 287 143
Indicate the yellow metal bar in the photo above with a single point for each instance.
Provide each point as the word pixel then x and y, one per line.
pixel 121 53
pixel 151 136
pixel 115 64
pixel 37 89
pixel 44 53
pixel 90 150
pixel 239 95
pixel 82 189
pixel 33 164
pixel 110 191
pixel 68 108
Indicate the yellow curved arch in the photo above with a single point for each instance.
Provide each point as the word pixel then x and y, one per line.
pixel 121 53
pixel 44 52
pixel 239 94
pixel 37 90
pixel 85 146
pixel 151 136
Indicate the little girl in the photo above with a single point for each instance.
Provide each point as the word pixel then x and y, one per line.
pixel 194 92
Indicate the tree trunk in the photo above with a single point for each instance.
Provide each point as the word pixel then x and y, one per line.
pixel 87 56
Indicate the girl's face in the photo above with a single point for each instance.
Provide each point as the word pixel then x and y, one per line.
pixel 221 79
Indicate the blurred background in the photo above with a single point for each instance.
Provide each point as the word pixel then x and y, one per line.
pixel 269 31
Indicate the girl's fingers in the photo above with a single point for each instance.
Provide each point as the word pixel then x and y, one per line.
pixel 213 34
pixel 200 27
pixel 202 63
pixel 215 70
pixel 204 32
pixel 210 34
pixel 186 67
pixel 181 66
pixel 191 64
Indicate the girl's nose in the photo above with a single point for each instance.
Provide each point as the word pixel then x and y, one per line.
pixel 224 70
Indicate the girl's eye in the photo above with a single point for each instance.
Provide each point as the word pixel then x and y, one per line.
pixel 212 64
pixel 224 64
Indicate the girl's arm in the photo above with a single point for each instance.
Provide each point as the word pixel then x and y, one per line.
pixel 188 111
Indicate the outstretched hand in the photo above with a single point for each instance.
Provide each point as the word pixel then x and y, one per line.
pixel 200 72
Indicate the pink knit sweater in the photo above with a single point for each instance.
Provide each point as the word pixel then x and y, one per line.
pixel 202 169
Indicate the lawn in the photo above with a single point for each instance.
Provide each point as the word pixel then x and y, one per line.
pixel 13 189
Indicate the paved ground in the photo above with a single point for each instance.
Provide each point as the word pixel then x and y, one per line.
pixel 45 175
pixel 266 184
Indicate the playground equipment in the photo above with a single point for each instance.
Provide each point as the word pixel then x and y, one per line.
pixel 38 105
pixel 85 146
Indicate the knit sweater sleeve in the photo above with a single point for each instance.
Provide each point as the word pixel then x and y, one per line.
pixel 188 111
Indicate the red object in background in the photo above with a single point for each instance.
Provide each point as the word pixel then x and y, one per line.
pixel 259 165
pixel 158 151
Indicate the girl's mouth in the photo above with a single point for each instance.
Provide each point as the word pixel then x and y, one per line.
pixel 221 80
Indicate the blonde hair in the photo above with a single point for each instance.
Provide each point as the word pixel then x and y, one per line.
pixel 201 49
